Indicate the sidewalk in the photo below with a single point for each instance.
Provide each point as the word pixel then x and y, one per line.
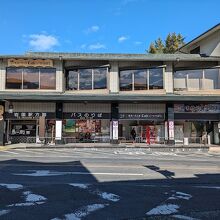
pixel 157 147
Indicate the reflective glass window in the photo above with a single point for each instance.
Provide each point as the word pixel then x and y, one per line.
pixel 156 78
pixel 85 79
pixel 72 83
pixel 48 78
pixel 126 80
pixel 140 80
pixel 30 78
pixel 100 78
pixel 14 78
pixel 212 79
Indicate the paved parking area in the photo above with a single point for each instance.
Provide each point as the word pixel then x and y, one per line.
pixel 108 184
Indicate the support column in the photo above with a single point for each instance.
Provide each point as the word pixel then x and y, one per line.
pixel 2 123
pixel 170 123
pixel 114 78
pixel 114 123
pixel 168 77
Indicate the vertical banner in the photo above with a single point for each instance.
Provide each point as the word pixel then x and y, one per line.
pixel 58 134
pixel 41 128
pixel 115 130
pixel 171 130
pixel 111 129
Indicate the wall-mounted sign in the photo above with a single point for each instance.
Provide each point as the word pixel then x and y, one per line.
pixel 142 116
pixel 30 63
pixel 197 108
pixel 29 115
pixel 87 115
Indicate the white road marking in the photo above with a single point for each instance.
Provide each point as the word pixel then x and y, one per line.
pixel 29 151
pixel 12 186
pixel 165 209
pixel 9 152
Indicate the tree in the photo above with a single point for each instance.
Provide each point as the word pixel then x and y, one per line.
pixel 172 43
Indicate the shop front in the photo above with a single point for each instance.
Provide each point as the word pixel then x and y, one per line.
pixel 30 122
pixel 86 122
pixel 197 123
pixel 147 120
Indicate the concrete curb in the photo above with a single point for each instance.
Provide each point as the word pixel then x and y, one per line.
pixel 168 148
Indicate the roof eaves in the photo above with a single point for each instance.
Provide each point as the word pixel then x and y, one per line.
pixel 200 37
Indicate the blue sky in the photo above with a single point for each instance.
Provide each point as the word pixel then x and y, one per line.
pixel 97 26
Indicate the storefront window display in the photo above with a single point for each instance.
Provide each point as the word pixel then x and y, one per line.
pixel 86 130
pixel 197 123
pixel 148 132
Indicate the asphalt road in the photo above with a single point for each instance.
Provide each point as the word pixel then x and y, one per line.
pixel 102 184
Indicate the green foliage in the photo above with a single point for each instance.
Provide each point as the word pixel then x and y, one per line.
pixel 170 45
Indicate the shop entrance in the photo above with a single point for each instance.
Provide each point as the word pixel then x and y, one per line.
pixel 149 132
pixel 198 132
pixel 21 131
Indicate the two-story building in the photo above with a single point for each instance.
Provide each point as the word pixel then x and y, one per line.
pixel 82 97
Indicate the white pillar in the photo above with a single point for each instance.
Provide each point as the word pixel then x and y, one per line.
pixel 168 77
pixel 114 78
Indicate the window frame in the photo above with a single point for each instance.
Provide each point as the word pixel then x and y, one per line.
pixel 22 78
pixel 77 70
pixel 202 87
pixel 147 70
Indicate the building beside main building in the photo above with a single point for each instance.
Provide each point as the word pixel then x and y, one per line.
pixel 75 97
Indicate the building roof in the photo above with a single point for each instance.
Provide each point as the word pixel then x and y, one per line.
pixel 202 36
pixel 112 56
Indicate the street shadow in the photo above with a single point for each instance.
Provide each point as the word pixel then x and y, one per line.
pixel 136 196
pixel 29 171
pixel 168 174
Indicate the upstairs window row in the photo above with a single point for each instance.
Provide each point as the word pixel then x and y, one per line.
pixel 200 79
pixel 87 79
pixel 31 78
pixel 142 79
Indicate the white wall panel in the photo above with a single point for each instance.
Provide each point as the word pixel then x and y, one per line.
pixel 87 107
pixel 142 108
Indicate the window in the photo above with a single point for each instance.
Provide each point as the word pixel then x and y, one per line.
pixel 126 80
pixel 100 80
pixel 212 79
pixel 47 79
pixel 194 81
pixel 87 79
pixel 156 78
pixel 30 78
pixel 142 79
pixel 201 79
pixel 14 78
pixel 73 80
